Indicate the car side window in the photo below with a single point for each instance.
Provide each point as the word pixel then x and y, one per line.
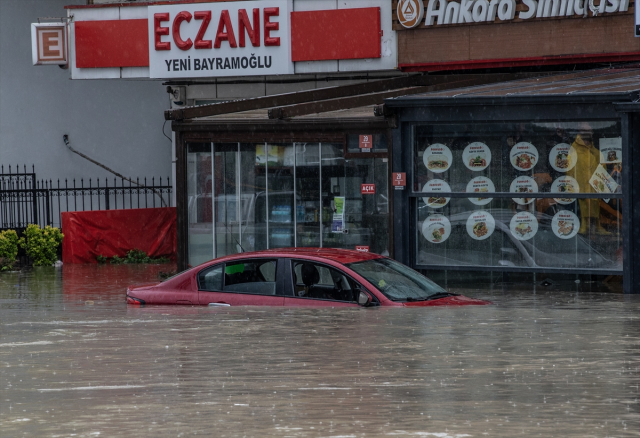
pixel 315 280
pixel 210 279
pixel 251 276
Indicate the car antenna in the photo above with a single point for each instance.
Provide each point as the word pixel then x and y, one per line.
pixel 234 237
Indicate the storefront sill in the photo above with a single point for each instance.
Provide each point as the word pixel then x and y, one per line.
pixel 519 269
pixel 505 195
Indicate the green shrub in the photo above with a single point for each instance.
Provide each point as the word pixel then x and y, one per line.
pixel 41 244
pixel 9 245
pixel 115 260
pixel 134 256
pixel 8 250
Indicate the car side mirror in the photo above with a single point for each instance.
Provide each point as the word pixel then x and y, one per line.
pixel 364 299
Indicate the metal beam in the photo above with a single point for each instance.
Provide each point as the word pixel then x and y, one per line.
pixel 302 109
pixel 322 106
pixel 298 97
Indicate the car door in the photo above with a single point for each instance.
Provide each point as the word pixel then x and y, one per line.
pixel 246 282
pixel 315 284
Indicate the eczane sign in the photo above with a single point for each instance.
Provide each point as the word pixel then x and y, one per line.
pixel 49 43
pixel 219 39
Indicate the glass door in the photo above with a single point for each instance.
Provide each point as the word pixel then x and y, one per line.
pixel 355 201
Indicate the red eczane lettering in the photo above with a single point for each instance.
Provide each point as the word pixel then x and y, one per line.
pixel 221 35
pixel 158 31
pixel 245 25
pixel 180 17
pixel 205 16
pixel 269 26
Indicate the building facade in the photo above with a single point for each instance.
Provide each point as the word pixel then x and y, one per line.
pixel 256 169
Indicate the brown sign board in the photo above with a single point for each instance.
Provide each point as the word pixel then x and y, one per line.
pixel 49 43
pixel 513 42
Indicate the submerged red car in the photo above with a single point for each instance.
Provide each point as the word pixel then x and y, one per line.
pixel 299 277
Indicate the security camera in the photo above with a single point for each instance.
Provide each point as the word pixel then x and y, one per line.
pixel 65 138
pixel 177 95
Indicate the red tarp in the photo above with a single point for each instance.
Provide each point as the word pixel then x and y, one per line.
pixel 88 234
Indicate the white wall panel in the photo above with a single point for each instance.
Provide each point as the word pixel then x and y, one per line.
pixel 134 72
pixel 202 92
pixel 133 12
pixel 95 14
pixel 87 73
pixel 389 57
pixel 315 66
pixel 240 91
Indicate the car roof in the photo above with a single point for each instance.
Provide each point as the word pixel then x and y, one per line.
pixel 339 255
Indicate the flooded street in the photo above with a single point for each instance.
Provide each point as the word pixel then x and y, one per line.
pixel 76 360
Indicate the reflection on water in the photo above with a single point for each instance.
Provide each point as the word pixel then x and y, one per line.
pixel 75 359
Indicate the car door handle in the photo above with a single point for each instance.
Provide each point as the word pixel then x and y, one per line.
pixel 219 305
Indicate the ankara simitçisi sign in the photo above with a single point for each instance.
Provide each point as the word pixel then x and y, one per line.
pixel 49 43
pixel 220 39
pixel 410 12
pixel 441 12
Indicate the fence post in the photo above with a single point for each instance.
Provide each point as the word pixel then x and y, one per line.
pixel 106 194
pixel 48 206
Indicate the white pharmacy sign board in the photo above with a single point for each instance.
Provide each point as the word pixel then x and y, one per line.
pixel 49 43
pixel 220 39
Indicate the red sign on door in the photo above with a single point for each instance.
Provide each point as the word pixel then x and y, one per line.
pixel 399 179
pixel 366 142
pixel 362 248
pixel 368 189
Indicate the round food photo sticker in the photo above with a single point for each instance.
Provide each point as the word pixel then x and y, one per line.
pixel 523 156
pixel 480 225
pixel 523 226
pixel 523 184
pixel 565 184
pixel 563 157
pixel 480 184
pixel 436 228
pixel 565 224
pixel 432 187
pixel 476 156
pixel 437 158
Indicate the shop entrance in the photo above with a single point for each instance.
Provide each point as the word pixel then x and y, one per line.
pixel 255 196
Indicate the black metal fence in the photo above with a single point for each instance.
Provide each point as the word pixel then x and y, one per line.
pixel 25 200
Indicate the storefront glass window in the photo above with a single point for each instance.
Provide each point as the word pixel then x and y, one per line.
pixel 535 160
pixel 199 204
pixel 308 202
pixel 253 190
pixel 280 189
pixel 275 195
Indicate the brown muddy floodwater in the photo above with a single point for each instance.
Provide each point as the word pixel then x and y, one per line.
pixel 75 360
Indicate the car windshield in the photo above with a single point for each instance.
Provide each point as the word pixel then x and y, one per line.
pixel 395 280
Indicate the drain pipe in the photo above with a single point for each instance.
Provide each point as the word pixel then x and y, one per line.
pixel 65 138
